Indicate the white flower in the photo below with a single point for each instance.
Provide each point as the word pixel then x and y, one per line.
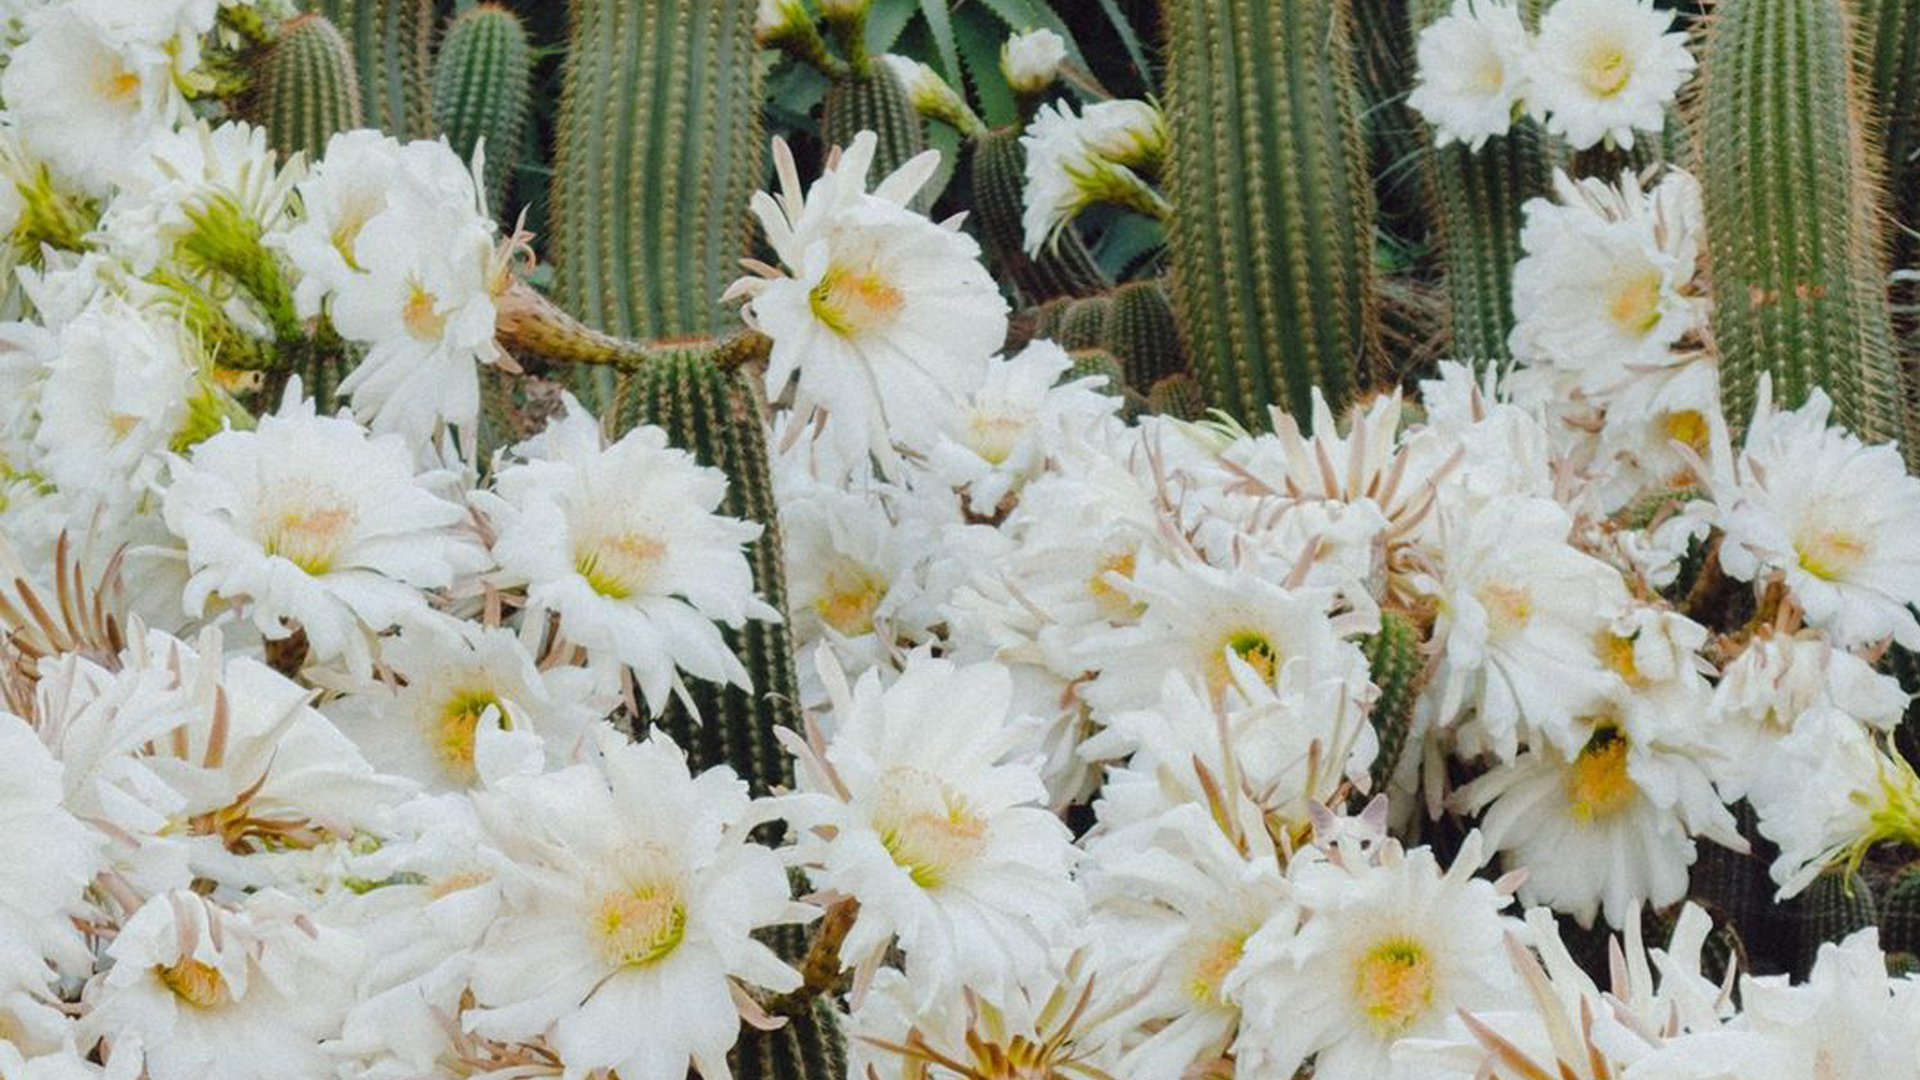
pixel 628 913
pixel 466 691
pixel 1174 906
pixel 183 174
pixel 84 93
pixel 309 519
pixel 1197 615
pixel 1603 69
pixel 1837 519
pixel 887 318
pixel 399 237
pixel 211 991
pixel 1777 679
pixel 622 542
pixel 116 394
pixel 1390 947
pixel 1520 609
pixel 1848 1021
pixel 1054 1023
pixel 1471 75
pixel 1074 161
pixel 1000 435
pixel 51 859
pixel 1833 792
pixel 914 811
pixel 1610 826
pixel 1031 61
pixel 1606 280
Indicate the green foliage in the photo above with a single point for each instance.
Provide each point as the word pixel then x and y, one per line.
pixel 305 87
pixel 714 412
pixel 997 168
pixel 1788 173
pixel 392 42
pixel 481 84
pixel 1272 232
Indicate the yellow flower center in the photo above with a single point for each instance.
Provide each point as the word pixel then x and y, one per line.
pixel 1633 303
pixel 852 595
pixel 455 729
pixel 1394 984
pixel 854 302
pixel 1508 607
pixel 1688 426
pixel 1605 68
pixel 421 315
pixel 1831 554
pixel 640 924
pixel 197 984
pixel 619 566
pixel 1216 962
pixel 1489 74
pixel 119 86
pixel 1617 653
pixel 1114 604
pixel 1598 785
pixel 994 436
pixel 1251 646
pixel 311 533
pixel 928 828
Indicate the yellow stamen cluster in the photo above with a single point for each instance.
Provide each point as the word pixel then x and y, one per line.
pixel 619 566
pixel 852 302
pixel 929 829
pixel 311 528
pixel 639 924
pixel 197 984
pixel 1633 303
pixel 1831 554
pixel 853 593
pixel 1394 984
pixel 456 727
pixel 1598 785
pixel 1606 68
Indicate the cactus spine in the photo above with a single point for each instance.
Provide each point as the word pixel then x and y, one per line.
pixel 1889 45
pixel 1272 233
pixel 659 151
pixel 875 101
pixel 307 88
pixel 714 413
pixel 393 52
pixel 1477 196
pixel 481 84
pixel 998 166
pixel 1793 215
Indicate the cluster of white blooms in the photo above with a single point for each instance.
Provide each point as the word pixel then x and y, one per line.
pixel 1110 152
pixel 316 725
pixel 1596 70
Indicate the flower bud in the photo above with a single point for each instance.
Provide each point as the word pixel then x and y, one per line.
pixel 1031 61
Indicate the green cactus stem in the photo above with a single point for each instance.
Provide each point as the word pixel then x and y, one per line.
pixel 306 88
pixel 392 43
pixel 876 101
pixel 1789 176
pixel 1272 234
pixel 1398 668
pixel 1178 396
pixel 1140 330
pixel 481 86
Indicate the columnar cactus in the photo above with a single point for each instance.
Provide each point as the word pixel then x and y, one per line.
pixel 392 44
pixel 1399 669
pixel 874 100
pixel 1272 232
pixel 1793 204
pixel 306 88
pixel 649 189
pixel 480 90
pixel 1140 331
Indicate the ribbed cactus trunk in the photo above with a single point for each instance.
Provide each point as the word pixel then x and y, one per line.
pixel 1794 214
pixel 481 83
pixel 1887 39
pixel 392 43
pixel 1272 232
pixel 997 170
pixel 1140 331
pixel 1477 195
pixel 876 101
pixel 306 89
pixel 714 412
pixel 659 151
